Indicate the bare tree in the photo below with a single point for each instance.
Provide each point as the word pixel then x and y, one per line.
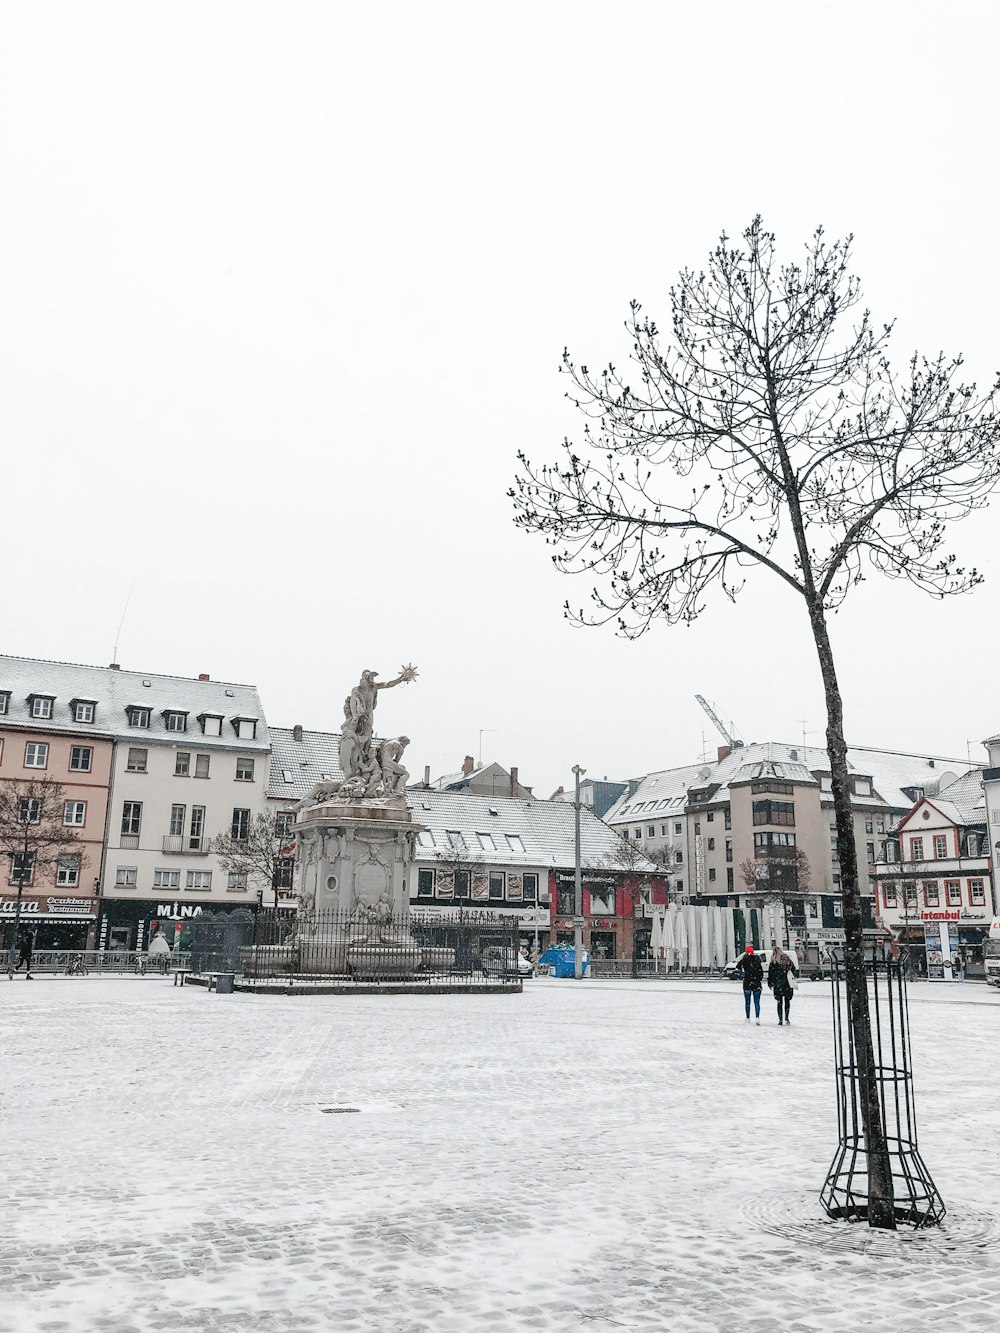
pixel 34 834
pixel 460 867
pixel 773 434
pixel 780 876
pixel 258 853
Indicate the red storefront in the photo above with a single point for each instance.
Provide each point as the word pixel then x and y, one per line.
pixel 615 923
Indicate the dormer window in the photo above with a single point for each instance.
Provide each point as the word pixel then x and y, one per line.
pixel 137 716
pixel 4 702
pixel 174 720
pixel 211 723
pixel 83 709
pixel 40 705
pixel 245 727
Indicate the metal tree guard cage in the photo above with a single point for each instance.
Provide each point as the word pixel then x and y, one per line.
pixel 845 1190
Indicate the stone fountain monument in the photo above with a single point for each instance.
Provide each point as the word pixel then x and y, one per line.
pixel 355 843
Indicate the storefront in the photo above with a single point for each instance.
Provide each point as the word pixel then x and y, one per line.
pixel 532 923
pixel 53 921
pixel 129 925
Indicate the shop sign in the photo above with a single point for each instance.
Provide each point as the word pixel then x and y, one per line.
pixel 75 905
pixel 29 906
pixel 177 911
pixel 39 907
pixel 527 916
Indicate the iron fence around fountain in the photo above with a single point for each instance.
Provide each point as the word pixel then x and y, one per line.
pixel 446 949
pixel 844 1195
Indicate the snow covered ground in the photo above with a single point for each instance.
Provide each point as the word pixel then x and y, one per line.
pixel 598 1155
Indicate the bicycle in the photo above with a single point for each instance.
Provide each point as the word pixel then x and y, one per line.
pixel 76 967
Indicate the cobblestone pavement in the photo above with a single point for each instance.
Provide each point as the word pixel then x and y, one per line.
pixel 600 1156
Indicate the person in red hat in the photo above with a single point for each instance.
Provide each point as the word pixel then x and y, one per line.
pixel 751 969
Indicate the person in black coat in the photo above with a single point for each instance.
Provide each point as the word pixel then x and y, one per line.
pixel 751 969
pixel 778 972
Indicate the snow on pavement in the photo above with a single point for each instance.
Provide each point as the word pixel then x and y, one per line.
pixel 601 1155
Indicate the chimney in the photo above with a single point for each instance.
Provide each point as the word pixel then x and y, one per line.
pixel 468 765
pixel 297 732
pixel 427 775
pixel 723 752
pixel 113 666
pixel 204 676
pixel 513 781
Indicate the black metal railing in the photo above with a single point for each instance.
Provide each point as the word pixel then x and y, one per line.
pixel 366 945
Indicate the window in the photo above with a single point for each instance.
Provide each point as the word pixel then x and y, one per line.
pixel 136 760
pixel 283 823
pixel 710 816
pixel 4 702
pixel 650 830
pixel 125 877
pixel 41 705
pixel 486 842
pixel 244 770
pixel 916 849
pixel 663 831
pixel 838 909
pixel 426 838
pixel 211 724
pixel 425 883
pixel 284 869
pixel 812 905
pixel 177 813
pixel 463 883
pixel 862 787
pixel 637 835
pixel 36 754
pixel 201 765
pixel 241 825
pixel 977 892
pixel 514 842
pixel 29 810
pixel 711 874
pixel 940 846
pixel 711 844
pixel 870 852
pixel 68 871
pixel 729 849
pixel 909 895
pixel 75 812
pixel 679 857
pixel 237 881
pixel 775 840
pixel 22 868
pixel 972 845
pixel 869 827
pixel 199 879
pixel 953 891
pixel 456 841
pixel 496 884
pixel 197 834
pixel 137 717
pixel 131 818
pixel 889 894
pixel 245 727
pixel 166 879
pixel 174 721
pixel 697 829
pixel 931 895
pixel 287 775
pixel 774 812
pixel 182 764
pixel 768 785
pixel 729 818
pixel 529 884
pixel 83 710
pixel 678 828
pixel 81 757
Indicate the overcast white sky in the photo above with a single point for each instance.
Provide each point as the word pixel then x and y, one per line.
pixel 285 287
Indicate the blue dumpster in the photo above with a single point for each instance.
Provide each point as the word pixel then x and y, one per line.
pixel 561 959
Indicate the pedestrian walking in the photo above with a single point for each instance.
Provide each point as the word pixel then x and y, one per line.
pixel 782 979
pixel 751 969
pixel 24 949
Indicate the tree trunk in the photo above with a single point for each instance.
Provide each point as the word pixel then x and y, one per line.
pixel 881 1201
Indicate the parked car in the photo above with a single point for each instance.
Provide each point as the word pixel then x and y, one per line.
pixel 500 962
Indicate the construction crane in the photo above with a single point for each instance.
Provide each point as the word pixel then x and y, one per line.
pixel 730 740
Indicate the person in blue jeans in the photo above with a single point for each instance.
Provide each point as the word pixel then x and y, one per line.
pixel 751 969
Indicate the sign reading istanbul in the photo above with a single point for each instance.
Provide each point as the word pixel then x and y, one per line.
pixel 956 914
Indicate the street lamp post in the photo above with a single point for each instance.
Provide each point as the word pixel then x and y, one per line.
pixel 578 773
pixel 19 871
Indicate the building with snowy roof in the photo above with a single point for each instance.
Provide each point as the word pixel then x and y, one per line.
pixel 188 760
pixel 758 823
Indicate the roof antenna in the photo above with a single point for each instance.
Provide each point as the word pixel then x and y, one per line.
pixel 118 632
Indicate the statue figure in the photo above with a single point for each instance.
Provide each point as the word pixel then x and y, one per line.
pixel 359 722
pixel 394 775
